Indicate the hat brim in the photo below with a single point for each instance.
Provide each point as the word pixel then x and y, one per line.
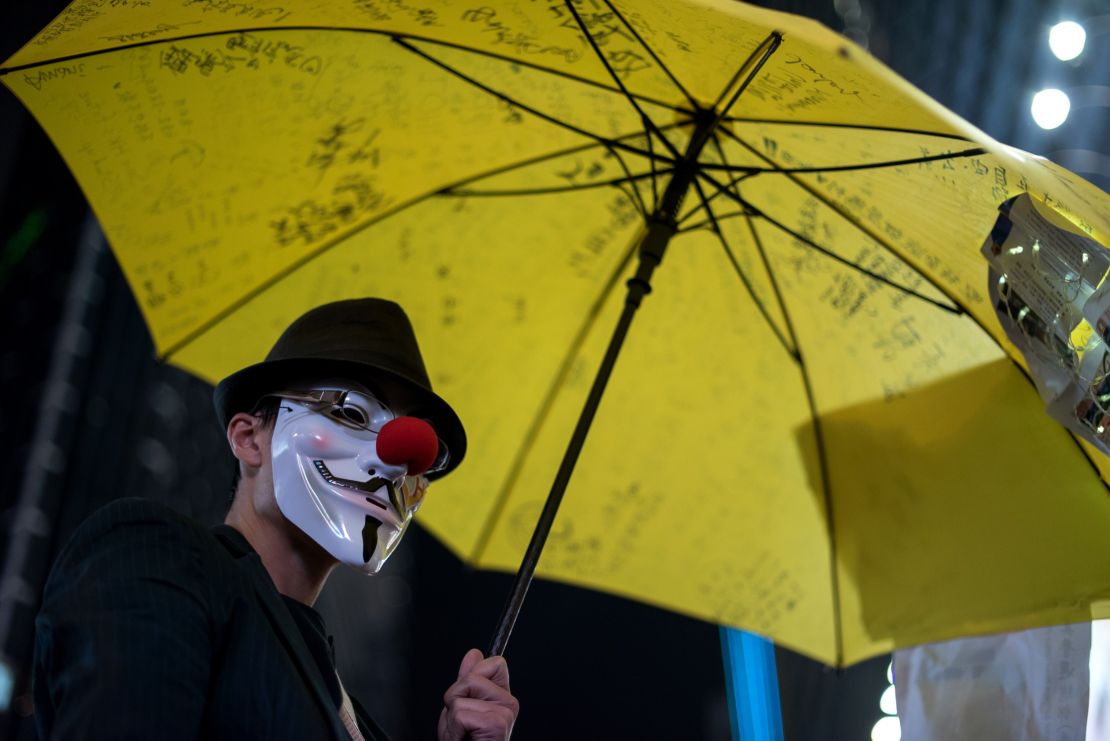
pixel 240 392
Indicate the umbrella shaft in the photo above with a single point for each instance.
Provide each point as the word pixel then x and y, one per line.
pixel 661 227
pixel 637 287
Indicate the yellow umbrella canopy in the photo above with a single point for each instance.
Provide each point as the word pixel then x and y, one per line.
pixel 813 431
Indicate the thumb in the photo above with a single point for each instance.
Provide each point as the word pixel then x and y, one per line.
pixel 469 661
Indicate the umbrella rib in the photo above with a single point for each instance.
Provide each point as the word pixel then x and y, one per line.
pixel 654 179
pixel 648 123
pixel 823 464
pixel 545 406
pixel 753 171
pixel 523 106
pixel 707 222
pixel 831 125
pixel 818 435
pixel 327 245
pixel 848 168
pixel 545 157
pixel 716 229
pixel 559 73
pixel 754 63
pixel 633 197
pixel 654 56
pixel 819 440
pixel 553 189
pixel 775 286
pixel 695 209
pixel 630 181
pixel 348 29
pixel 878 238
pixel 735 187
pixel 957 309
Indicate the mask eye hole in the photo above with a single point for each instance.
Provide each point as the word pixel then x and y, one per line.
pixel 352 414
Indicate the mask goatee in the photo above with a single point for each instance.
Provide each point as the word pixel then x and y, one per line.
pixel 369 538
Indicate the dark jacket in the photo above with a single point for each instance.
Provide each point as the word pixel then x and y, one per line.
pixel 153 627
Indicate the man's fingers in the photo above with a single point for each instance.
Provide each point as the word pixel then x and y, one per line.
pixel 472 657
pixel 479 706
pixel 495 669
pixel 472 705
pixel 478 687
pixel 476 718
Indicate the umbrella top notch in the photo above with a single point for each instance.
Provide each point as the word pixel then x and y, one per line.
pixel 751 67
pixel 706 121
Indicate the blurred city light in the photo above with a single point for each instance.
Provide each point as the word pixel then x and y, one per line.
pixel 1066 40
pixel 887 702
pixel 887 729
pixel 7 684
pixel 1050 108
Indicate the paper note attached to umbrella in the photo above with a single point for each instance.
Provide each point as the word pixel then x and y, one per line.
pixel 1048 285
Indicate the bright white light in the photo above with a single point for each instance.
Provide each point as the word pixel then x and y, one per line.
pixel 887 702
pixel 1050 108
pixel 890 672
pixel 887 729
pixel 1066 40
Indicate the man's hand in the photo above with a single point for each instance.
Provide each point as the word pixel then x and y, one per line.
pixel 479 706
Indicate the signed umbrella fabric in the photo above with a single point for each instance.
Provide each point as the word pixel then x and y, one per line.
pixel 813 432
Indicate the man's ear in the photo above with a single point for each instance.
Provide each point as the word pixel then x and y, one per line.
pixel 245 438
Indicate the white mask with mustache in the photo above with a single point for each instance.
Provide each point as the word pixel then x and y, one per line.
pixel 330 483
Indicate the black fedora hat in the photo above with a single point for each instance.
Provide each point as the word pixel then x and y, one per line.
pixel 367 340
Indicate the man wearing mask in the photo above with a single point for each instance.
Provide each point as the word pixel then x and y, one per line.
pixel 154 627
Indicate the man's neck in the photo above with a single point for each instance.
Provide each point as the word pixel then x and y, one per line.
pixel 298 566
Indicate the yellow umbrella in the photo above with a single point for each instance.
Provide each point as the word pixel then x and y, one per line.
pixel 813 431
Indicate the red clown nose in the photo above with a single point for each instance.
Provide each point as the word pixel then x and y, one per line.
pixel 409 441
